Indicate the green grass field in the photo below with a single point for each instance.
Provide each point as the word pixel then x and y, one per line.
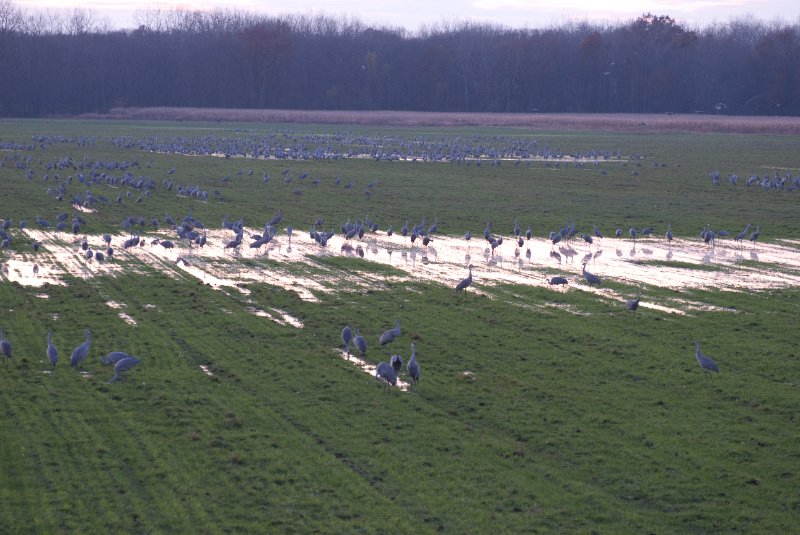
pixel 527 418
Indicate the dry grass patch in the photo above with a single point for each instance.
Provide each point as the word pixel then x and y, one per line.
pixel 622 122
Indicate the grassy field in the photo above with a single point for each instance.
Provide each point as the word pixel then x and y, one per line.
pixel 527 418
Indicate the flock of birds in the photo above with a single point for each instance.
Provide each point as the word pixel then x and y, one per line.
pixel 89 175
pixel 776 182
pixel 121 361
pixel 194 231
pixel 386 373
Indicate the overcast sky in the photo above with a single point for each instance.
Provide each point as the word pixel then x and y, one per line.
pixel 412 14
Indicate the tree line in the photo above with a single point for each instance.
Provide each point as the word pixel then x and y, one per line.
pixel 51 65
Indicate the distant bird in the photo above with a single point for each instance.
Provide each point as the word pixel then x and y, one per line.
pixel 588 239
pixel 743 234
pixel 113 357
pixel 52 352
pixel 275 219
pixel 385 372
pixel 596 232
pixel 529 233
pixel 496 242
pixel 80 352
pixel 669 234
pixel 388 336
pixel 360 342
pixel 347 337
pixel 5 345
pixel 557 280
pixel 591 278
pixel 396 362
pixel 706 363
pixel 754 236
pixel 413 367
pixel 633 304
pixel 464 284
pixel 632 231
pixel 123 366
pixel 618 233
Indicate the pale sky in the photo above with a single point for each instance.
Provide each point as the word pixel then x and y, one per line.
pixel 412 14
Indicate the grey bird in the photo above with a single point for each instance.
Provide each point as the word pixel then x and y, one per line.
pixel 5 345
pixel 80 352
pixel 557 280
pixel 385 372
pixel 397 362
pixel 705 362
pixel 389 336
pixel 591 278
pixel 754 236
pixel 123 366
pixel 413 367
pixel 347 337
pixel 633 304
pixel 113 357
pixel 465 283
pixel 739 237
pixel 52 352
pixel 360 342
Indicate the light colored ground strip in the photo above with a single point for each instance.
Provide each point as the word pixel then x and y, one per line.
pixel 122 315
pixel 126 318
pixel 370 368
pixel 282 318
pixel 23 272
pixel 684 264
